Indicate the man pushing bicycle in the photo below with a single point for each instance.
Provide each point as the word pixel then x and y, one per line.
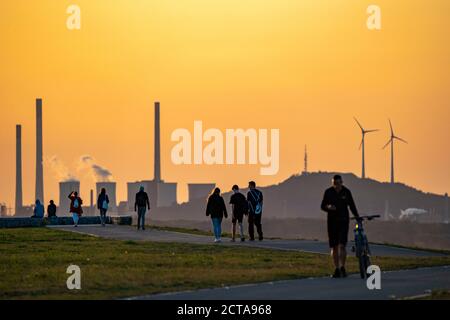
pixel 336 201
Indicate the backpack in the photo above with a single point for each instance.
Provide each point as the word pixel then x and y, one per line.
pixel 105 203
pixel 258 208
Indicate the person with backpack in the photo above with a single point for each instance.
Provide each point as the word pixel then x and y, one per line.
pixel 75 207
pixel 102 205
pixel 216 209
pixel 140 205
pixel 239 207
pixel 255 206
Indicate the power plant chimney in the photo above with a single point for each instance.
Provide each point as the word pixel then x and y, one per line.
pixel 19 195
pixel 92 210
pixel 39 153
pixel 157 145
pixel 447 217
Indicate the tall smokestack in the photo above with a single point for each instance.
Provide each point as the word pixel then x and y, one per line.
pixel 447 217
pixel 92 202
pixel 39 151
pixel 19 199
pixel 157 145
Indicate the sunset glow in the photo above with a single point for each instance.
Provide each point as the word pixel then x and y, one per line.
pixel 303 67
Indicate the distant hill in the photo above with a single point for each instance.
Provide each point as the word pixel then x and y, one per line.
pixel 300 197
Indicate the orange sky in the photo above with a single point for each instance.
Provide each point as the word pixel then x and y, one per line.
pixel 305 67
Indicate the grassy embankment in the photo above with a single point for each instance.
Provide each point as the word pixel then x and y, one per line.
pixel 33 265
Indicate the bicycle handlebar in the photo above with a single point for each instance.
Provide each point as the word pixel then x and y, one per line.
pixel 371 217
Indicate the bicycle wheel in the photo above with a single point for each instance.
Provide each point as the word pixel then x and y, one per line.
pixel 364 263
pixel 362 266
pixel 367 263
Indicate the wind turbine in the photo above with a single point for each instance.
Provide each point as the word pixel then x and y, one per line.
pixel 391 141
pixel 362 147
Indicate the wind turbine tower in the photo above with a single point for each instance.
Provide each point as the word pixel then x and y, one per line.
pixel 362 147
pixel 391 142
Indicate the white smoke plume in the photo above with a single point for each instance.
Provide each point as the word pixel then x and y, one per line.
pixel 61 172
pixel 99 173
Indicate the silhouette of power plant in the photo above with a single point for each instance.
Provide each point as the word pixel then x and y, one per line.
pixel 19 194
pixel 39 154
pixel 20 209
pixel 162 194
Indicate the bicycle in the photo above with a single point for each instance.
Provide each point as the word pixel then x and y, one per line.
pixel 361 247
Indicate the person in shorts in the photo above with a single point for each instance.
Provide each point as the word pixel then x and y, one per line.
pixel 336 201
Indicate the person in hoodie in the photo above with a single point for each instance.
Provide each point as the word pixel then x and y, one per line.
pixel 75 207
pixel 102 205
pixel 51 209
pixel 216 209
pixel 38 211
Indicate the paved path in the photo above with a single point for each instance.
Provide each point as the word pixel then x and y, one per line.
pixel 395 284
pixel 130 233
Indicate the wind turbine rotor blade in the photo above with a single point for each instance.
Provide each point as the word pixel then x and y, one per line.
pixel 392 130
pixel 360 145
pixel 402 140
pixel 359 124
pixel 373 130
pixel 390 140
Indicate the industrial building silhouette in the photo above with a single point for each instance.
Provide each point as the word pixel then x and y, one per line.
pixel 162 193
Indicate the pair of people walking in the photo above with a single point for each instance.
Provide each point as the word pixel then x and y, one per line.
pixel 76 209
pixel 250 206
pixel 141 204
